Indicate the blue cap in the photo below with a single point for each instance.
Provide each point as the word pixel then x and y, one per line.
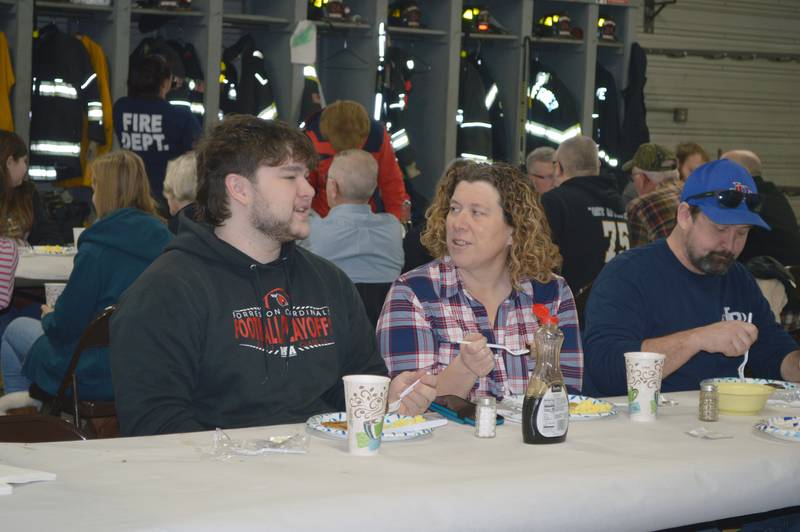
pixel 722 175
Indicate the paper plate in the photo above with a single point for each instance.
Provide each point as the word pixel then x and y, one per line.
pixel 511 408
pixel 782 427
pixel 783 384
pixel 315 424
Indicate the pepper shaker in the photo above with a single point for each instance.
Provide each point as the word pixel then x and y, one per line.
pixel 709 403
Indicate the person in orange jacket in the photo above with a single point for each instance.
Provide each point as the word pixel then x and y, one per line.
pixel 345 125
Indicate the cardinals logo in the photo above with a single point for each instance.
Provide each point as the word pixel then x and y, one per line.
pixel 276 297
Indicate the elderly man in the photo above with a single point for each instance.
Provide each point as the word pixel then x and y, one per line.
pixel 539 164
pixel 686 296
pixel 783 242
pixel 585 212
pixel 367 246
pixel 654 173
pixel 234 325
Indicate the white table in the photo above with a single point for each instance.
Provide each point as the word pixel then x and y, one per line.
pixel 37 269
pixel 610 474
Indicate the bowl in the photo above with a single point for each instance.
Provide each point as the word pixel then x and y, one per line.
pixel 742 398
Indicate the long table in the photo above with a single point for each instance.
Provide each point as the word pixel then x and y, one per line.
pixel 610 474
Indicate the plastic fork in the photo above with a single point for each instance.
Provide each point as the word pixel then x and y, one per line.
pixel 394 406
pixel 746 353
pixel 516 353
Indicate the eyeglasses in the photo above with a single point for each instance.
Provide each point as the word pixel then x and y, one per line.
pixel 730 199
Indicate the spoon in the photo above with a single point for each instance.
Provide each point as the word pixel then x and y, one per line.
pixel 516 353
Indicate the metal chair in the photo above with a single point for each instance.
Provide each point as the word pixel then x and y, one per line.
pixel 100 416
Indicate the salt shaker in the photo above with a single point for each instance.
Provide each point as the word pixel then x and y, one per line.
pixel 709 403
pixel 485 417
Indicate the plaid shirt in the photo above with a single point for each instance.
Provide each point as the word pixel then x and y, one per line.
pixel 428 311
pixel 652 216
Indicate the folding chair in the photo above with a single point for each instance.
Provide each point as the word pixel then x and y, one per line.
pixel 95 418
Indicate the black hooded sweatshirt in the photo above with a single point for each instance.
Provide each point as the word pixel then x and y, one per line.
pixel 207 337
pixel 588 224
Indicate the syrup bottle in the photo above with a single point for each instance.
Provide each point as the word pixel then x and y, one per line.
pixel 545 410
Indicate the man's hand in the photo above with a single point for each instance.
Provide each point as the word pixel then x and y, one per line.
pixel 46 309
pixel 475 356
pixel 420 397
pixel 731 338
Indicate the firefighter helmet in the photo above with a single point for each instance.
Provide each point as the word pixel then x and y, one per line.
pixel 405 13
pixel 478 19
pixel 554 25
pixel 328 9
pixel 606 29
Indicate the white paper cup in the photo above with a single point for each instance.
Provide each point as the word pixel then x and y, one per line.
pixel 76 232
pixel 644 372
pixel 52 291
pixel 365 400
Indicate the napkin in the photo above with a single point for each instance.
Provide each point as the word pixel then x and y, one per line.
pixel 18 475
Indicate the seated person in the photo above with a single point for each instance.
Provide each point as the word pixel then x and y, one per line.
pixel 180 189
pixel 687 297
pixel 494 260
pixel 367 246
pixel 22 214
pixel 234 325
pixel 690 155
pixel 124 240
pixel 9 258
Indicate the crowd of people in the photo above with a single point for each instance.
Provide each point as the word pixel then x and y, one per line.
pixel 290 268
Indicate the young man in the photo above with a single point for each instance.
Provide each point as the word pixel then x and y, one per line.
pixel 687 297
pixel 234 326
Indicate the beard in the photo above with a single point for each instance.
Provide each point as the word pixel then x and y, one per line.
pixel 263 219
pixel 713 263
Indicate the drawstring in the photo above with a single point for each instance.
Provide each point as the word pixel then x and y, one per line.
pixel 263 313
pixel 290 312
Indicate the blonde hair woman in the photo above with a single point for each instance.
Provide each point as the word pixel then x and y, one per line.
pixel 127 236
pixel 493 260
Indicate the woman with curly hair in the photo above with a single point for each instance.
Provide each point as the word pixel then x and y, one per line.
pixel 493 260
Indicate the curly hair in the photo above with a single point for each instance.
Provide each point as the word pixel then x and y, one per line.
pixel 533 253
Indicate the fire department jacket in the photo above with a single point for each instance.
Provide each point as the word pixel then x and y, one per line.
pixel 481 128
pixel 634 125
pixel 552 114
pixel 605 130
pixel 64 92
pixel 394 86
pixel 390 178
pixel 6 82
pixel 251 93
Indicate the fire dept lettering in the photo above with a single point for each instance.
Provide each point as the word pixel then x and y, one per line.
pixel 142 131
pixel 269 327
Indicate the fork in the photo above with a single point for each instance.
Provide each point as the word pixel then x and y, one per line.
pixel 514 352
pixel 394 406
pixel 740 370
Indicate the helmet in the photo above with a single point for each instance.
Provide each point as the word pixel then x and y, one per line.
pixel 477 19
pixel 405 13
pixel 328 9
pixel 606 29
pixel 554 25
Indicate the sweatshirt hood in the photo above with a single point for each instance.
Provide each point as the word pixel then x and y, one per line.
pixel 131 231
pixel 198 239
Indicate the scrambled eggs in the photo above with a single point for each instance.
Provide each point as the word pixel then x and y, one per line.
pixel 404 421
pixel 587 406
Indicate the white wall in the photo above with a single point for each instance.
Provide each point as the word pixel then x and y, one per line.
pixel 753 104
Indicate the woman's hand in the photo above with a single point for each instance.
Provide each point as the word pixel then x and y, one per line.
pixel 46 309
pixel 475 356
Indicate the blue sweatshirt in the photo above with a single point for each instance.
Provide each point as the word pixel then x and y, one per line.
pixel 112 253
pixel 647 293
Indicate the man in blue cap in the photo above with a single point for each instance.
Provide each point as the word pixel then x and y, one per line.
pixel 686 296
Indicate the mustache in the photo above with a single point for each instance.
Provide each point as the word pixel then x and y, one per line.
pixel 721 256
